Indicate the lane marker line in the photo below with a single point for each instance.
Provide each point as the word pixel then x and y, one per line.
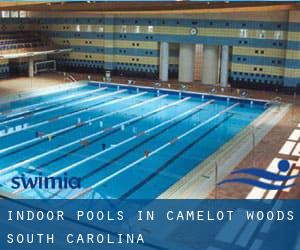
pixel 120 171
pixel 79 124
pixel 83 110
pixel 69 128
pixel 113 127
pixel 130 139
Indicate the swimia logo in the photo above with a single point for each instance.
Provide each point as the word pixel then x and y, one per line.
pixel 44 182
pixel 267 180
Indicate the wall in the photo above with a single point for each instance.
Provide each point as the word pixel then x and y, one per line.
pixel 265 46
pixel 16 25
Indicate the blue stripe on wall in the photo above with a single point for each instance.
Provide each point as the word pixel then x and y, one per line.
pixel 249 42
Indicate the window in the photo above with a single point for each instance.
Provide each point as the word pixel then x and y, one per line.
pixel 123 29
pixel 5 14
pixel 137 29
pixel 100 29
pixel 22 14
pixel 278 35
pixel 89 28
pixel 261 34
pixel 150 29
pixel 243 33
pixel 14 14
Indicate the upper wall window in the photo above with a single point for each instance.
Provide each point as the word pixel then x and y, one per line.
pixel 89 28
pixel 243 33
pixel 5 14
pixel 278 35
pixel 137 29
pixel 14 14
pixel 150 29
pixel 261 34
pixel 100 29
pixel 22 14
pixel 123 29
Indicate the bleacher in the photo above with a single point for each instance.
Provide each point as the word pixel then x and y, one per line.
pixel 19 42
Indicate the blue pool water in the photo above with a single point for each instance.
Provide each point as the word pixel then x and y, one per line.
pixel 123 142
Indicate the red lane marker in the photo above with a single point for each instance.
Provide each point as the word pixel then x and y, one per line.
pixel 84 143
pixel 107 129
pixel 28 115
pixel 140 134
pixel 40 134
pixel 53 119
pixel 146 153
pixel 80 124
pixel 174 140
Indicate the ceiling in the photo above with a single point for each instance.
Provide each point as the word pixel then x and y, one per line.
pixel 140 7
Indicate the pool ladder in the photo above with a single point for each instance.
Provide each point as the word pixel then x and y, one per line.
pixel 274 102
pixel 157 85
pixel 69 77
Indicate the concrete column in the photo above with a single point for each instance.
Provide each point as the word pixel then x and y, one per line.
pixel 31 67
pixel 164 62
pixel 210 67
pixel 108 44
pixel 224 66
pixel 186 63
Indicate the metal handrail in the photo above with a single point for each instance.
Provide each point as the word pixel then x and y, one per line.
pixel 70 77
pixel 183 87
pixel 275 101
pixel 156 85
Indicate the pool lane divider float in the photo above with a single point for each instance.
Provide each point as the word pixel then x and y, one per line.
pixel 161 168
pixel 170 123
pixel 79 111
pixel 113 128
pixel 177 138
pixel 44 111
pixel 138 135
pixel 88 143
pixel 48 104
pixel 42 136
pixel 83 124
pixel 125 123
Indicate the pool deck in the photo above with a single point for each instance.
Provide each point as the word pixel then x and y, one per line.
pixel 282 141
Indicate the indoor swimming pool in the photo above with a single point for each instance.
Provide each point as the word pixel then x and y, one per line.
pixel 121 141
